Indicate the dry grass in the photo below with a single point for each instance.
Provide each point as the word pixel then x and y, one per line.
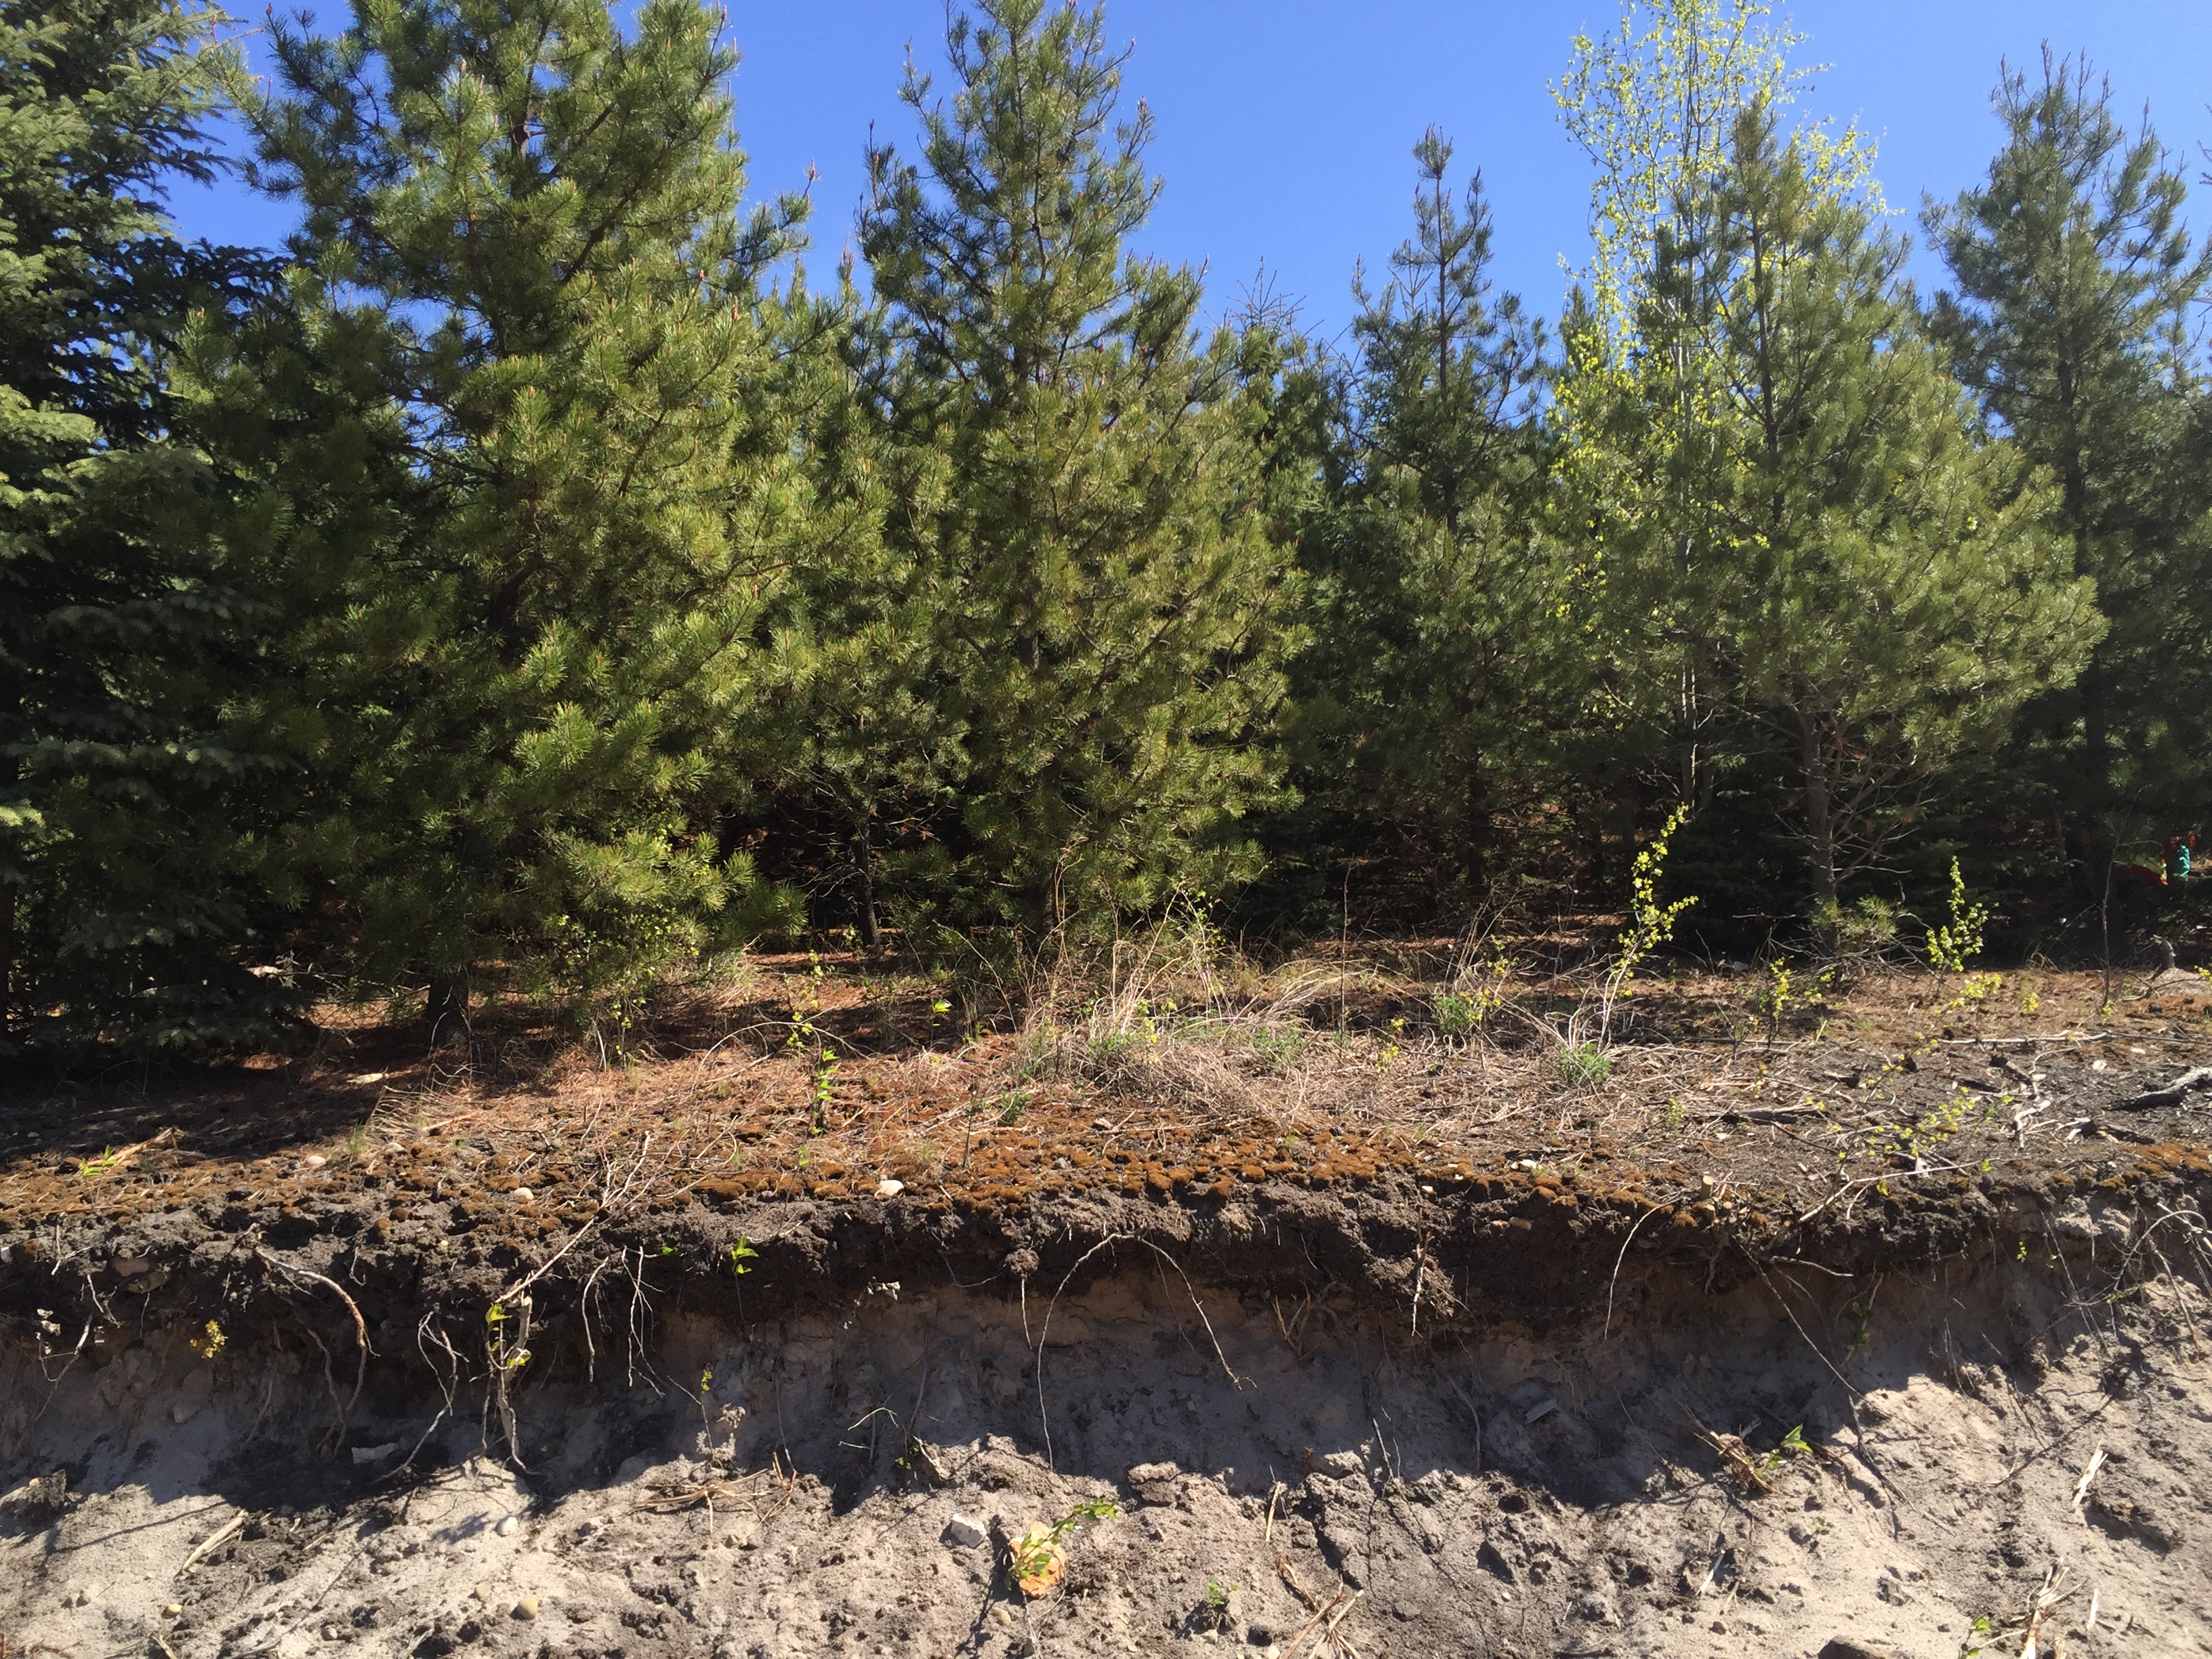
pixel 1160 1058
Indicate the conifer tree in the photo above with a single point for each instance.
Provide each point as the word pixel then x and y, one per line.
pixel 1109 605
pixel 1436 666
pixel 1653 106
pixel 129 800
pixel 2070 321
pixel 522 220
pixel 1885 591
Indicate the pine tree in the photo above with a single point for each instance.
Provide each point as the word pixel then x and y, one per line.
pixel 2075 285
pixel 131 892
pixel 1437 668
pixel 1109 603
pixel 852 791
pixel 1653 106
pixel 522 222
pixel 1888 591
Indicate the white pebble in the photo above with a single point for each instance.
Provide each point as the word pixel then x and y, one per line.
pixel 963 1532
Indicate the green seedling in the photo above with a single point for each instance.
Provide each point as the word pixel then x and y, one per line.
pixel 503 1359
pixel 1584 1064
pixel 1793 1445
pixel 1650 924
pixel 1039 1556
pixel 740 1253
pixel 1959 938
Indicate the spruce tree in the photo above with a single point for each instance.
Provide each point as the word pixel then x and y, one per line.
pixel 522 222
pixel 1107 603
pixel 132 802
pixel 2075 286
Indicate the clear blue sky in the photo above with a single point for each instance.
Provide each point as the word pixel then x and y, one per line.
pixel 1283 128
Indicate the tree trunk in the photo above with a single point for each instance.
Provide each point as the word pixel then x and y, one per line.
pixel 446 1008
pixel 2096 775
pixel 1820 823
pixel 1477 838
pixel 872 938
pixel 9 777
pixel 7 958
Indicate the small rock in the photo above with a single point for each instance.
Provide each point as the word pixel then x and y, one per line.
pixel 374 1454
pixel 527 1607
pixel 481 1591
pixel 128 1267
pixel 314 1161
pixel 184 1411
pixel 965 1533
pixel 172 1609
pixel 888 1187
pixel 1000 1615
pixel 524 1195
pixel 1540 1410
pixel 507 1525
pixel 1341 1463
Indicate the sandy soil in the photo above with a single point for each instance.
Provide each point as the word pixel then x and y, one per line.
pixel 1621 1485
pixel 1871 1322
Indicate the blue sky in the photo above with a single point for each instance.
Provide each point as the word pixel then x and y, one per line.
pixel 1283 129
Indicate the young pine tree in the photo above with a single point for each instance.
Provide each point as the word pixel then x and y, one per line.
pixel 1888 591
pixel 131 803
pixel 1653 106
pixel 2075 288
pixel 522 222
pixel 1438 662
pixel 1109 607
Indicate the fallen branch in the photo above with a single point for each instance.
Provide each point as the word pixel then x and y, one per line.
pixel 214 1541
pixel 2046 1598
pixel 2081 1487
pixel 1737 1457
pixel 1328 1617
pixel 2175 1093
pixel 1291 1579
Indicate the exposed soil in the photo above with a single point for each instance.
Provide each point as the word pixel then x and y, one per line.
pixel 1496 1359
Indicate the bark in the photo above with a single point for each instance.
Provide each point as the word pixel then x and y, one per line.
pixel 871 936
pixel 7 959
pixel 1819 820
pixel 1478 827
pixel 446 1009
